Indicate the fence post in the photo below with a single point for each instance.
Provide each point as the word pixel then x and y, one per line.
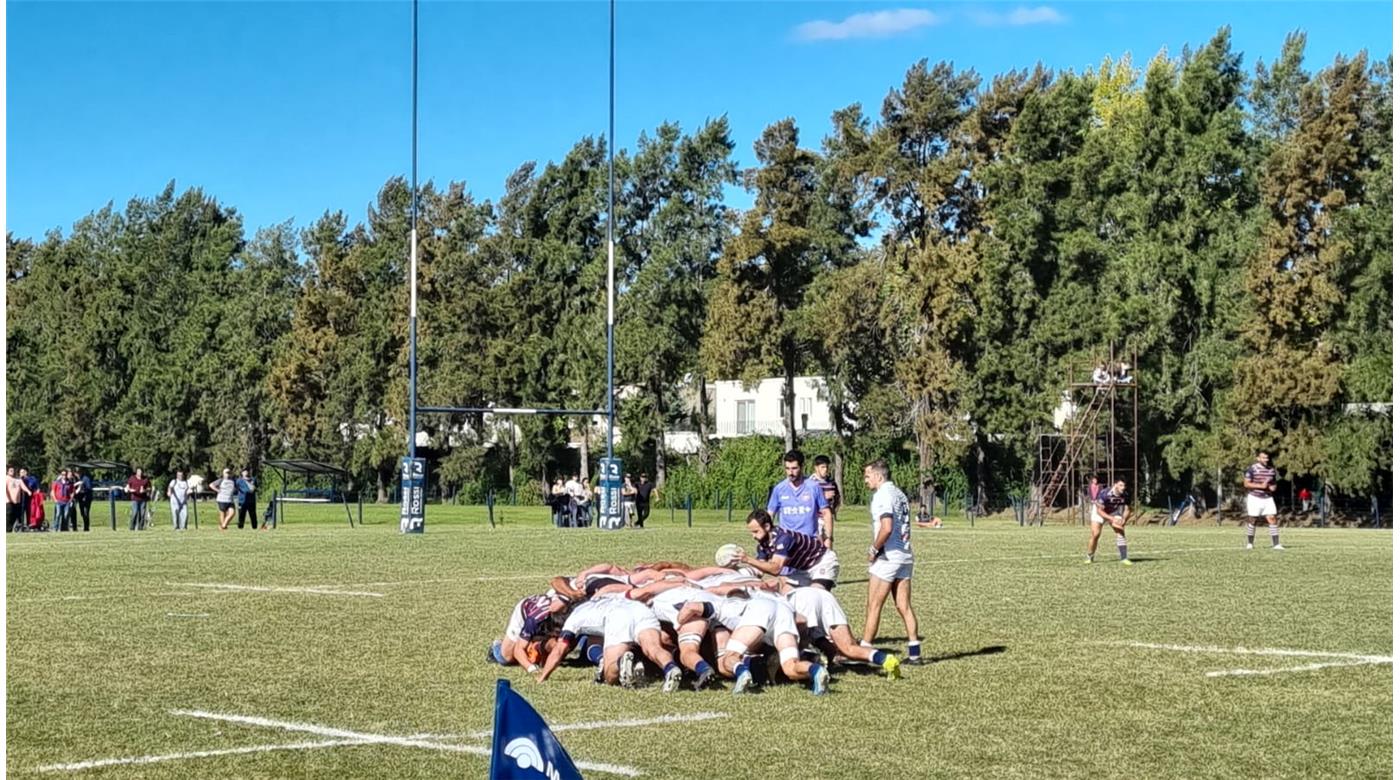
pixel 491 507
pixel 729 514
pixel 689 506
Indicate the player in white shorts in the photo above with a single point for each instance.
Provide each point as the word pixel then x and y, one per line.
pixel 829 629
pixel 667 598
pixel 890 555
pixel 752 622
pixel 621 623
pixel 1260 479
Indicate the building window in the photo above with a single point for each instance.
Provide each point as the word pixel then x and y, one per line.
pixel 744 413
pixel 804 411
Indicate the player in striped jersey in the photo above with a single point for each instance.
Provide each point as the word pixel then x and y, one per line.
pixel 1112 506
pixel 1260 479
pixel 786 553
pixel 532 621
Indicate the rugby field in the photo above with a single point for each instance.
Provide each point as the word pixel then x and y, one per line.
pixel 321 651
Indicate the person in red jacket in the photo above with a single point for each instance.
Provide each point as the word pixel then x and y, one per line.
pixel 36 509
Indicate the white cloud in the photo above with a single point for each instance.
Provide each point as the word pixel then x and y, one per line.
pixel 878 24
pixel 1019 17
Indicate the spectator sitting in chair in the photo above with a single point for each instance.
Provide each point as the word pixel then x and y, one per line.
pixel 1100 376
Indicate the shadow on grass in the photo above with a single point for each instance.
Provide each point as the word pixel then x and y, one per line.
pixel 957 656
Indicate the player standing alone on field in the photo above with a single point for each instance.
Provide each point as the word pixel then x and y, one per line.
pixel 1259 480
pixel 890 555
pixel 1112 506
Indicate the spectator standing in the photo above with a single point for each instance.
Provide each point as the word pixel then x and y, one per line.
pixel 1305 496
pixel 178 493
pixel 62 490
pixel 36 509
pixel 578 499
pixel 16 503
pixel 82 499
pixel 32 482
pixel 225 487
pixel 645 488
pixel 629 501
pixel 247 498
pixel 138 490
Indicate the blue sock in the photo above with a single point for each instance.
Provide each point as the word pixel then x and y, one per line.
pixel 741 667
pixel 702 669
pixel 593 652
pixel 813 674
pixel 668 668
pixel 913 651
pixel 879 657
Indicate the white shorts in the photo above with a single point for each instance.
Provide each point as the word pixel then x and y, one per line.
pixel 889 571
pixel 1098 520
pixel 516 624
pixel 625 620
pixel 774 617
pixel 826 568
pixel 666 605
pixel 819 609
pixel 1254 506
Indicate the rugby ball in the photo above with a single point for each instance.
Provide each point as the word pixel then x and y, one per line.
pixel 727 554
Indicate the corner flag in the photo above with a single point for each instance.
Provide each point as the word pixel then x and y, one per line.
pixel 522 746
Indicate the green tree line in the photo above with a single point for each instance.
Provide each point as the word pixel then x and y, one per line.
pixel 940 260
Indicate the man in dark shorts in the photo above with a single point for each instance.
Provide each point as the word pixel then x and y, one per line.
pixel 645 487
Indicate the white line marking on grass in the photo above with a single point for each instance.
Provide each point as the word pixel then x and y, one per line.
pixel 223 586
pixel 75 767
pixel 510 577
pixel 1350 659
pixel 102 597
pixel 390 582
pixel 1308 668
pixel 383 739
pixel 1359 657
pixel 605 724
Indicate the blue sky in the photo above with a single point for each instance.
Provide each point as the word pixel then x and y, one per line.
pixel 287 109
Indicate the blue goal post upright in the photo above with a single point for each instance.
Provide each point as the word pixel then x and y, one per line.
pixel 413 471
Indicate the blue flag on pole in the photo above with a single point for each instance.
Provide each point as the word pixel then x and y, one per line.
pixel 522 746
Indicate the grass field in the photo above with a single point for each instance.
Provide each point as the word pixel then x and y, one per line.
pixel 364 656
